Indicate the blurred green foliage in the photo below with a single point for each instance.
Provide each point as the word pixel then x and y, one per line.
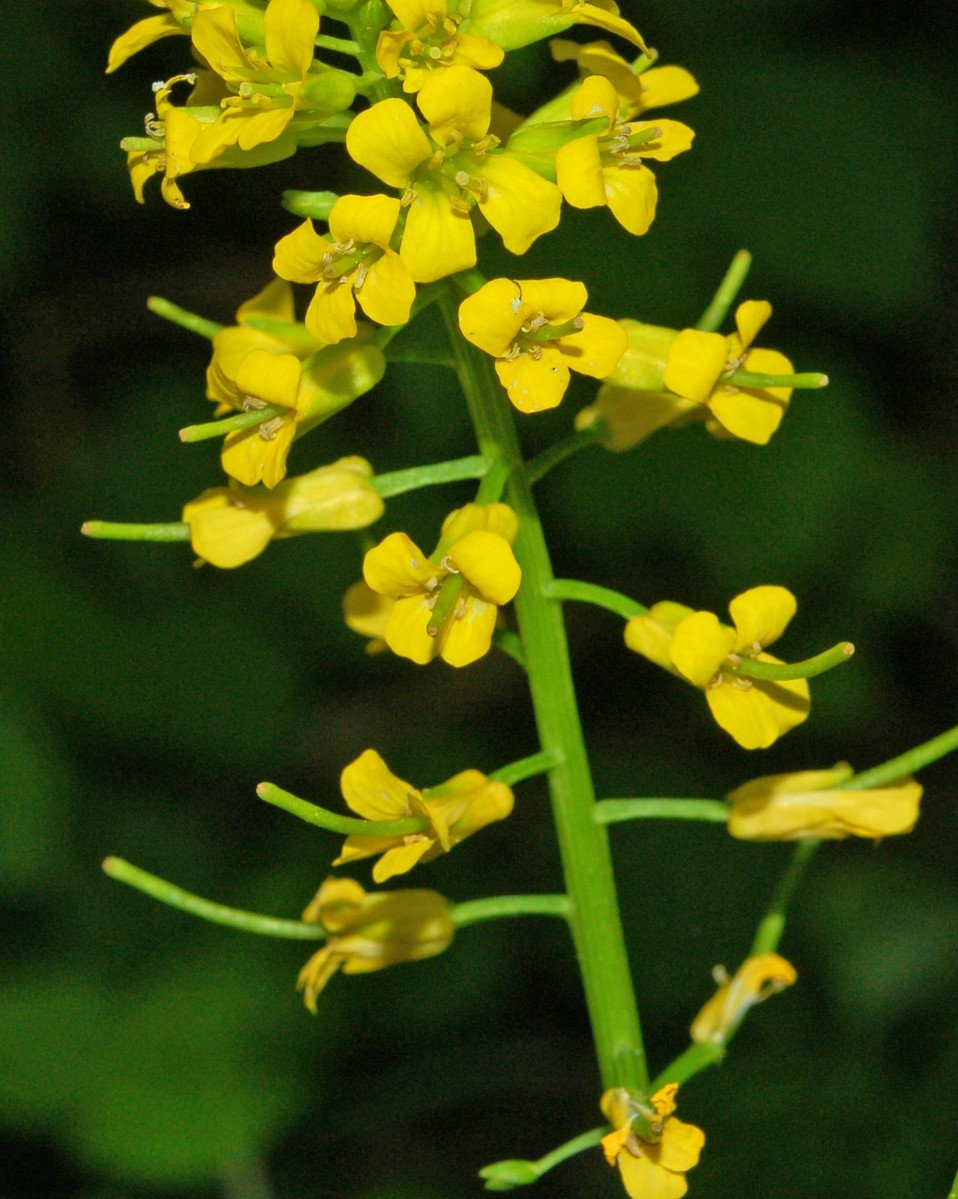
pixel 141 701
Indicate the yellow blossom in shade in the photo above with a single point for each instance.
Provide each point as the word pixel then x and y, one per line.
pixel 650 1170
pixel 366 612
pixel 446 604
pixel 177 19
pixel 268 92
pixel 636 93
pixel 354 262
pixel 754 981
pixel 232 525
pixel 813 804
pixel 537 332
pixel 449 172
pixel 429 38
pixel 516 23
pixel 699 364
pixel 455 810
pixel 607 168
pixel 696 646
pixel 174 130
pixel 368 932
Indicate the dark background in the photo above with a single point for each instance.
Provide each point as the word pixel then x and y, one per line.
pixel 146 1055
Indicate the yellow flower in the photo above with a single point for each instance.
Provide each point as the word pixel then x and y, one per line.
pixel 699 363
pixel 455 810
pixel 537 332
pixel 812 804
pixel 650 1170
pixel 753 982
pixel 429 38
pixel 173 132
pixel 366 612
pixel 448 173
pixel 231 525
pixel 268 91
pixel 370 932
pixel 516 23
pixel 354 262
pixel 607 168
pixel 636 93
pixel 446 605
pixel 694 645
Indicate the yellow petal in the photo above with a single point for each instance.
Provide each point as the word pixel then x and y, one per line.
pixel 366 611
pixel 397 567
pixel 651 638
pixel 579 173
pixel 666 85
pixel 387 140
pixel 632 195
pixel 143 33
pixel 760 616
pixel 264 126
pixel 365 219
pixel 787 815
pixel 331 315
pixel 217 39
pixel 758 716
pixel 469 636
pixel 752 414
pixel 534 386
pixel 750 316
pixel 595 98
pixel 694 364
pixel 559 299
pixel 225 535
pixel 273 378
pixel 388 291
pixel 519 204
pixel 699 647
pixel 412 14
pixel 437 240
pixel 298 256
pixel 456 101
pixel 371 789
pixel 274 302
pixel 675 138
pixel 291 27
pixel 645 1179
pixel 632 416
pixel 405 631
pixel 681 1145
pixel 491 317
pixel 252 459
pixel 596 348
pixel 400 859
pixel 489 564
pixel 337 496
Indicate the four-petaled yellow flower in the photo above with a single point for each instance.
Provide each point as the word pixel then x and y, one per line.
pixel 607 168
pixel 446 604
pixel 814 804
pixel 370 932
pixel 268 91
pixel 537 332
pixel 694 645
pixel 699 365
pixel 429 37
pixel 753 982
pixel 455 810
pixel 449 172
pixel 353 262
pixel 232 525
pixel 650 1170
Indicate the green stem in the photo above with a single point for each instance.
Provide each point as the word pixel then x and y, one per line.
pixel 906 763
pixel 511 645
pixel 693 1061
pixel 230 424
pixel 714 316
pixel 507 1175
pixel 397 482
pixel 583 844
pixel 340 44
pixel 420 356
pixel 752 668
pixel 347 825
pixel 612 811
pixel 810 379
pixel 953 1193
pixel 525 768
pixel 540 466
pixel 218 913
pixel 602 597
pixel 769 932
pixel 107 530
pixel 365 25
pixel 499 907
pixel 179 316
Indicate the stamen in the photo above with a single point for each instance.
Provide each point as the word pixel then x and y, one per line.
pixel 448 565
pixel 361 272
pixel 252 403
pixel 407 197
pixel 742 683
pixel 269 428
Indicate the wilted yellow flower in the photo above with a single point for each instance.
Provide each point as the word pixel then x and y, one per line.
pixel 455 810
pixel 753 982
pixel 647 1170
pixel 537 332
pixel 694 645
pixel 812 804
pixel 232 525
pixel 370 932
pixel 446 604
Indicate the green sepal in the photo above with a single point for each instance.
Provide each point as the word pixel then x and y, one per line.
pixel 329 90
pixel 642 365
pixel 507 1175
pixel 536 145
pixel 315 205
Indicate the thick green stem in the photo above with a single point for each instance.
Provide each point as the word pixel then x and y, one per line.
pixel 109 530
pixel 583 844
